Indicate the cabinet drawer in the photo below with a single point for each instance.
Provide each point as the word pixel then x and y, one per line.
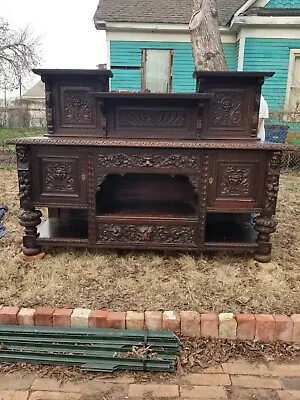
pixel 236 180
pixel 60 179
pixel 145 234
pixel 152 159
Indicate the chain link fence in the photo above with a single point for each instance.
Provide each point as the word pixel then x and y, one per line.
pixel 284 127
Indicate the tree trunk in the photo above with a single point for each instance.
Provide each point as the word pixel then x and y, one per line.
pixel 205 37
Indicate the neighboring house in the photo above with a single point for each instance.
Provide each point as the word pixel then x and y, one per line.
pixel 32 106
pixel 35 96
pixel 149 45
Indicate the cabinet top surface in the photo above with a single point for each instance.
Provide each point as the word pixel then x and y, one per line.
pixel 232 74
pixel 184 144
pixel 105 72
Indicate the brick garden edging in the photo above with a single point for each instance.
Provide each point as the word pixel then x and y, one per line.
pixel 261 327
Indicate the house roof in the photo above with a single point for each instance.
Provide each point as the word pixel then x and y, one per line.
pixel 36 91
pixel 159 11
pixel 273 12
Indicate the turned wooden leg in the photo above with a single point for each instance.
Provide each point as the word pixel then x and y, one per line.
pixel 264 225
pixel 30 219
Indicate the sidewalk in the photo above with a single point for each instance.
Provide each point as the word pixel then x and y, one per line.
pixel 238 380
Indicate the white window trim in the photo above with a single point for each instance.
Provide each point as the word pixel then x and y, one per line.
pixel 293 54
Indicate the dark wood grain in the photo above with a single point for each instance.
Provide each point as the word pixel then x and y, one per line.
pixel 149 171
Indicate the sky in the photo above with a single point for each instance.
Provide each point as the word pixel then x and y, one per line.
pixel 68 36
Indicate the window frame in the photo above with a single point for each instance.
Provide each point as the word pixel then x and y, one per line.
pixel 294 53
pixel 143 69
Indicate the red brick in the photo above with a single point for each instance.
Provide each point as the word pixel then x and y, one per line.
pixel 8 315
pixel 171 321
pixel 245 326
pixel 190 323
pixel 283 328
pixel 116 320
pixel 43 316
pixel 98 319
pixel 264 328
pixel 26 316
pixel 210 325
pixel 62 317
pixel 135 320
pixel 154 390
pixel 296 331
pixel 153 320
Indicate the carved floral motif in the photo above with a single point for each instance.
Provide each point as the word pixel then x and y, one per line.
pixel 146 233
pixel 143 118
pixel 59 176
pixel 177 161
pixel 77 107
pixel 226 109
pixel 235 181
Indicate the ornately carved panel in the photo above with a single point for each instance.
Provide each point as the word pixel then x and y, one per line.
pixel 59 176
pixel 146 233
pixel 235 181
pixel 227 109
pixel 173 161
pixel 151 118
pixel 77 109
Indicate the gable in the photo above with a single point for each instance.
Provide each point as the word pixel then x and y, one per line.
pixel 159 11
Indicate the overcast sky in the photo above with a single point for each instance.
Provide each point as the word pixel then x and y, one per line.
pixel 68 35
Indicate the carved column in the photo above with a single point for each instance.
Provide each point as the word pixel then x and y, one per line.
pixel 265 223
pixel 49 106
pixel 29 217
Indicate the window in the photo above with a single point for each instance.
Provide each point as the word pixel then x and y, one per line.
pixel 157 68
pixel 293 85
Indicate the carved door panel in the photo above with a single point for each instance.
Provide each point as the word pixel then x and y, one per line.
pixel 60 178
pixel 236 180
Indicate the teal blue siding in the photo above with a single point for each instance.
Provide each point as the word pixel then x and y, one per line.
pixel 129 54
pixel 283 4
pixel 271 55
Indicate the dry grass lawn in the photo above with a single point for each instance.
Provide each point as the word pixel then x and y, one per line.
pixel 140 281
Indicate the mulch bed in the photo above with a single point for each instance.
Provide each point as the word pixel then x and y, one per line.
pixel 195 356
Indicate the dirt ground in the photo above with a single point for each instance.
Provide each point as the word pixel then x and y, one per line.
pixel 141 281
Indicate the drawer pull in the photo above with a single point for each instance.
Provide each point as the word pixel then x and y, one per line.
pixel 83 177
pixel 210 181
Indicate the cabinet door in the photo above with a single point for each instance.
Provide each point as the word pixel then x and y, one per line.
pixel 59 177
pixel 236 180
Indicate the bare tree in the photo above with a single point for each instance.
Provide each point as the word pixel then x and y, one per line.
pixel 18 54
pixel 205 37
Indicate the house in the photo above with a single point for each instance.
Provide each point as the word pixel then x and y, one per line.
pixel 31 106
pixel 148 44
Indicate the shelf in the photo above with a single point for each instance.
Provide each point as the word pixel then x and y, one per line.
pixel 147 209
pixel 71 229
pixel 230 229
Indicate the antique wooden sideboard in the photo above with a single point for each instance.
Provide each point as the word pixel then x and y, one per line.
pixel 149 170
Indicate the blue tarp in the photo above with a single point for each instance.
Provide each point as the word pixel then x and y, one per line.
pixel 3 210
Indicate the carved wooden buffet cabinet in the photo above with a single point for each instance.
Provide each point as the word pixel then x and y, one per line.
pixel 148 170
